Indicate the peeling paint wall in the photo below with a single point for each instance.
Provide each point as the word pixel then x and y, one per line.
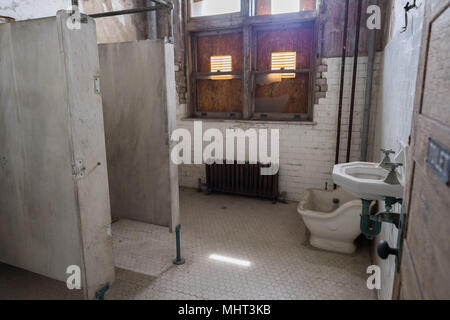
pixel 123 28
pixel 111 29
pixel 331 30
pixel 32 9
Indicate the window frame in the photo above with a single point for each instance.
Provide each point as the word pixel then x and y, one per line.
pixel 216 16
pixel 195 75
pixel 310 71
pixel 248 25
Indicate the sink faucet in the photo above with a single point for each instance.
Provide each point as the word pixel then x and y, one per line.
pixel 392 176
pixel 387 159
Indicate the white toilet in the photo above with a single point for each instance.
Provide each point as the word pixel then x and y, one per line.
pixel 333 219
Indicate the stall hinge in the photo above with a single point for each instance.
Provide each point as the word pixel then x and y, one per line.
pixel 97 84
pixel 79 169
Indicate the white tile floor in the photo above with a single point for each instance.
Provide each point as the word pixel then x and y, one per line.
pixel 271 237
pixel 18 284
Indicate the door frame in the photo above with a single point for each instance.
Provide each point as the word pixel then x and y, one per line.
pixel 433 10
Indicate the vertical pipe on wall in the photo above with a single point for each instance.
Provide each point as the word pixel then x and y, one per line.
pixel 74 5
pixel 355 70
pixel 368 98
pixel 170 36
pixel 151 19
pixel 341 89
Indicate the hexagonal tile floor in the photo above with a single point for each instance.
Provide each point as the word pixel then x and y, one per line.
pixel 262 249
pixel 261 252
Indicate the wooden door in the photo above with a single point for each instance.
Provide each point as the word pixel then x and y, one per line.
pixel 425 269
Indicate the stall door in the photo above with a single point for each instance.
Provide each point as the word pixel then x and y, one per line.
pixel 139 106
pixel 54 202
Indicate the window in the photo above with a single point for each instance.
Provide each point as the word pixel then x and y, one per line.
pixel 279 51
pixel 270 7
pixel 284 6
pixel 221 64
pixel 284 61
pixel 251 67
pixel 201 8
pixel 217 79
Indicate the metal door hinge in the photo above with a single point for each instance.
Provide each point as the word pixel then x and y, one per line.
pixel 79 169
pixel 97 84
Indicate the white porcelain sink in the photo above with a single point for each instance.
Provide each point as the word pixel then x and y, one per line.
pixel 365 180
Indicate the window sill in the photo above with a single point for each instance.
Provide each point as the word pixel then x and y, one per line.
pixel 256 121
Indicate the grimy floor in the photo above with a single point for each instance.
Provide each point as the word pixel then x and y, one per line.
pixel 269 242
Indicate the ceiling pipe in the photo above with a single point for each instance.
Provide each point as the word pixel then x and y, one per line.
pixel 126 11
pixel 167 4
pixel 369 81
pixel 160 5
pixel 171 38
pixel 355 70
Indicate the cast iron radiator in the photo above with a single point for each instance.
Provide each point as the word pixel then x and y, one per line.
pixel 241 179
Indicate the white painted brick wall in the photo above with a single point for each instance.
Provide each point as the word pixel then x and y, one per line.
pixel 307 151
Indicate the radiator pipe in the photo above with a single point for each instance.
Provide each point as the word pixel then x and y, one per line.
pixel 355 70
pixel 369 81
pixel 341 89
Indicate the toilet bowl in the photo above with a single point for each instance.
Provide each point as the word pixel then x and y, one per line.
pixel 333 219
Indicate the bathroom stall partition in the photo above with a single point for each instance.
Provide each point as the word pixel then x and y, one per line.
pixel 54 201
pixel 139 107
